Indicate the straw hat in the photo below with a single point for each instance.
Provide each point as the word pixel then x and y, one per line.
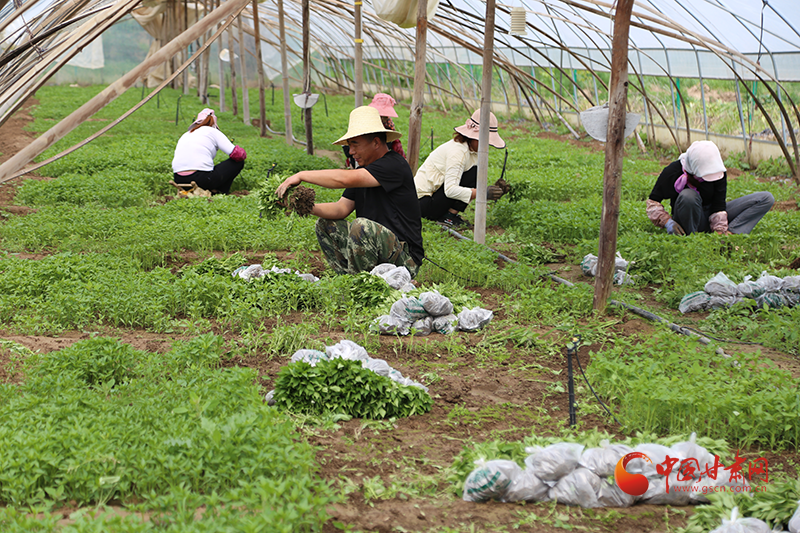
pixel 364 120
pixel 384 104
pixel 471 129
pixel 703 160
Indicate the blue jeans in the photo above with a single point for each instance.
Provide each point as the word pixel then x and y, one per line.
pixel 743 213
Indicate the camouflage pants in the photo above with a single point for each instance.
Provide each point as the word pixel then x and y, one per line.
pixel 360 245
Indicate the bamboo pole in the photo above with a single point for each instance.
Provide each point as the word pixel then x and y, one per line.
pixel 110 93
pixel 307 75
pixel 221 71
pixel 232 61
pixel 287 111
pixel 618 95
pixel 418 99
pixel 262 89
pixel 358 67
pixel 243 69
pixel 483 132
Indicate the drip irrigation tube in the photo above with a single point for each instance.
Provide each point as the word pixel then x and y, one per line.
pixel 616 303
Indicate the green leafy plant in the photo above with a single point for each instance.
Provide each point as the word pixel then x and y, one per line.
pixel 343 386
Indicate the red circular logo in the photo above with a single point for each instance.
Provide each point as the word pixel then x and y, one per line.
pixel 633 484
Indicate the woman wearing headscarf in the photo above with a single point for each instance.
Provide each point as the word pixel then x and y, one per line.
pixel 194 156
pixel 385 106
pixel 696 186
pixel 447 180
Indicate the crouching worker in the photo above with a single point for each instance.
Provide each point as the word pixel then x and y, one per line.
pixel 696 186
pixel 387 228
pixel 447 181
pixel 195 152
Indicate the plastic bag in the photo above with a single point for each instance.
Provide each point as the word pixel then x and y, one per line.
pixel 379 366
pixel 407 311
pixel 312 357
pixel 657 494
pixel 579 487
pixel 772 299
pixel 720 285
pixel 445 324
pixel 402 12
pixel 794 521
pixel 347 349
pixel 791 283
pixel 620 264
pixel 387 325
pixel 269 399
pixel 308 277
pixel 715 302
pixel 474 319
pixel 694 301
pixel 555 461
pixel 436 304
pixel 408 287
pixel 250 272
pixel 490 480
pixel 769 283
pixel 689 449
pixel 657 454
pixel 792 298
pixel 423 326
pixel 589 265
pixel 749 288
pixel 610 495
pixel 382 269
pixel 398 277
pixel 623 278
pixel 604 459
pixel 526 487
pixel 742 525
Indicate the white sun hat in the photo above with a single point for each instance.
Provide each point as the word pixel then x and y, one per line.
pixel 364 120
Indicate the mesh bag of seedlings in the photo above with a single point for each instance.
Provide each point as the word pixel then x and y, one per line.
pixel 610 495
pixel 436 304
pixel 382 269
pixel 526 487
pixel 423 326
pixel 604 459
pixel 742 525
pixel 772 299
pixel 347 349
pixel 720 285
pixel 769 283
pixel 694 301
pixel 397 277
pixel 312 357
pixel 794 521
pixel 445 324
pixel 749 288
pixel 579 487
pixel 490 480
pixel 555 461
pixel 388 325
pixel 473 319
pixel 407 310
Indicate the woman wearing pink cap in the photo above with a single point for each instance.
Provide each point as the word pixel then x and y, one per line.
pixel 447 180
pixel 696 186
pixel 385 106
pixel 195 152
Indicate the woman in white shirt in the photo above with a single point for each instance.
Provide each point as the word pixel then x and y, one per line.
pixel 195 152
pixel 447 180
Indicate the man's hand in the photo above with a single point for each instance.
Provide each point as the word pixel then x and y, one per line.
pixel 291 181
pixel 494 192
pixel 673 228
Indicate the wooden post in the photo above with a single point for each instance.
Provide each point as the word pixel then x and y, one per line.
pixel 418 98
pixel 307 75
pixel 615 144
pixel 221 70
pixel 262 88
pixel 186 50
pixel 242 67
pixel 358 65
pixel 483 133
pixel 232 61
pixel 80 115
pixel 287 110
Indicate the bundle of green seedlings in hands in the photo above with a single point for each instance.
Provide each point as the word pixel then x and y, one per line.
pixel 299 199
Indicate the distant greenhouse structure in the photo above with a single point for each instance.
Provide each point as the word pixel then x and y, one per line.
pixel 724 70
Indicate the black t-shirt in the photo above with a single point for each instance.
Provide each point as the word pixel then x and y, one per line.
pixel 713 193
pixel 394 204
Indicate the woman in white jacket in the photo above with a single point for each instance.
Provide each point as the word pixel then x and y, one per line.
pixel 447 180
pixel 195 152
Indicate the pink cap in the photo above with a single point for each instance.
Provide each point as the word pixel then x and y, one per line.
pixel 202 115
pixel 384 104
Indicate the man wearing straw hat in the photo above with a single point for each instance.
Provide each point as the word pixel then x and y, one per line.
pixel 388 225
